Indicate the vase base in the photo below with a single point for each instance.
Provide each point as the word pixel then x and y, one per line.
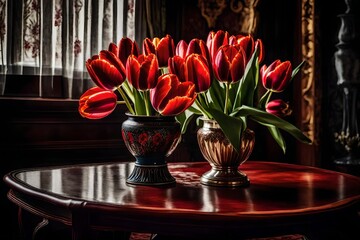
pixel 225 178
pixel 151 175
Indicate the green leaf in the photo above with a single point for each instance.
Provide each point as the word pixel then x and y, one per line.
pixel 216 94
pixel 297 69
pixel 233 92
pixel 184 119
pixel 195 109
pixel 232 127
pixel 268 119
pixel 128 90
pixel 275 133
pixel 248 84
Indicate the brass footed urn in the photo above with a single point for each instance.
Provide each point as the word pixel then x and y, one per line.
pixel 223 157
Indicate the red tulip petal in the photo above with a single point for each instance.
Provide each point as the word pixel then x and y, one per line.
pixel 260 45
pixel 198 72
pixel 222 66
pixel 148 73
pixel 114 60
pixel 248 44
pixel 164 85
pixel 97 103
pixel 186 89
pixel 280 77
pixel 133 71
pixel 170 97
pixel 164 50
pixel 215 41
pixel 238 65
pixel 177 105
pixel 181 48
pixel 107 74
pixel 176 65
pixel 126 48
pixel 113 48
pixel 92 74
pixel 148 47
pixel 142 72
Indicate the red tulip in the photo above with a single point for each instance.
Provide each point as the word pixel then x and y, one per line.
pixel 279 108
pixel 230 62
pixel 170 96
pixel 248 44
pixel 124 49
pixel 176 66
pixel 113 48
pixel 181 49
pixel 198 72
pixel 198 46
pixel 148 46
pixel 106 70
pixel 97 103
pixel 163 48
pixel 215 40
pixel 142 72
pixel 277 76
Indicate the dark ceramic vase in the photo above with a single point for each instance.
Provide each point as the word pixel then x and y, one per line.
pixel 150 139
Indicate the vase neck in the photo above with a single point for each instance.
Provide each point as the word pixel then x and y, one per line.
pixel 209 123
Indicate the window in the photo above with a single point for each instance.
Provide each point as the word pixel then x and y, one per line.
pixel 44 43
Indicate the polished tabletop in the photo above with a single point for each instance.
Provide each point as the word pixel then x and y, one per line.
pixel 276 191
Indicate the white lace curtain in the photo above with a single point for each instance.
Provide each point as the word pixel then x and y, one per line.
pixel 50 38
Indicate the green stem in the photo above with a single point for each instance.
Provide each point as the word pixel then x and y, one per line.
pixel 264 99
pixel 128 90
pixel 201 108
pixel 226 97
pixel 205 98
pixel 268 97
pixel 164 70
pixel 126 100
pixel 148 106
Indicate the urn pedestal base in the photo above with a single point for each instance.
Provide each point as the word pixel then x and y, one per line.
pixel 227 177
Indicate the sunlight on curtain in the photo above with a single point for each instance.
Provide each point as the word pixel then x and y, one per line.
pixel 3 23
pixel 56 37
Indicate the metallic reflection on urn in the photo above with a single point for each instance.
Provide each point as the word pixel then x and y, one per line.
pixel 223 157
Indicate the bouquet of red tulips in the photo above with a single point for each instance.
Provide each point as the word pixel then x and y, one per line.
pixel 217 79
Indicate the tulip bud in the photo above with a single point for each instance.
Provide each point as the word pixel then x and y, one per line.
pixel 279 108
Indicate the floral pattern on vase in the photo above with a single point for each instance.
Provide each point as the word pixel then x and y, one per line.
pixel 150 139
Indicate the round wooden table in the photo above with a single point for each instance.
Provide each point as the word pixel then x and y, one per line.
pixel 281 199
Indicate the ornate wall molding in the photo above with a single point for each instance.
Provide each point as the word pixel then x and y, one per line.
pixel 210 10
pixel 245 9
pixel 308 71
